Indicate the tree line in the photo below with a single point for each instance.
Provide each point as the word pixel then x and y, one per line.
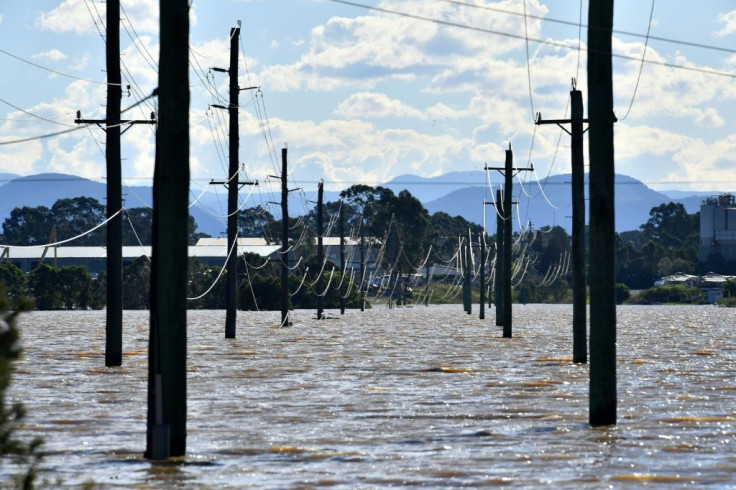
pixel 399 223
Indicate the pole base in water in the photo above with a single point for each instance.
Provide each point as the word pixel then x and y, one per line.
pixel 160 437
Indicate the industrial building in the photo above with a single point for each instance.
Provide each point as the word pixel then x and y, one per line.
pixel 718 228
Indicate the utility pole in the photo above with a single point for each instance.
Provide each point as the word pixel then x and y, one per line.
pixel 469 273
pixel 505 220
pixel 284 242
pixel 464 270
pixel 498 287
pixel 602 401
pixel 114 330
pixel 362 263
pixel 114 241
pixel 167 357
pixel 233 186
pixel 426 289
pixel 342 255
pixel 320 250
pixel 507 240
pixel 579 294
pixel 482 302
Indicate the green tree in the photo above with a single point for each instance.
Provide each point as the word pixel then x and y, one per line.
pixel 257 222
pixel 671 226
pixel 137 226
pixel 11 415
pixel 75 286
pixel 44 287
pixel 137 284
pixel 76 216
pixel 15 281
pixel 28 226
pixel 202 279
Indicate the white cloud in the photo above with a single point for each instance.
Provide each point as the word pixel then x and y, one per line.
pixel 374 105
pixel 141 16
pixel 71 16
pixel 367 50
pixel 51 55
pixel 729 23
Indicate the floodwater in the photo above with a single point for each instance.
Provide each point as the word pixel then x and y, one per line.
pixel 423 396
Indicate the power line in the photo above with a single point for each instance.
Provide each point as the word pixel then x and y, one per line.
pixel 580 25
pixel 49 135
pixel 548 42
pixel 35 115
pixel 7 53
pixel 528 64
pixel 641 65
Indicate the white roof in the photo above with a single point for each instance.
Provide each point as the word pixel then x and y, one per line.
pixel 221 242
pixel 130 252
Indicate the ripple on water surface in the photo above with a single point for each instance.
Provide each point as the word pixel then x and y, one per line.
pixel 412 396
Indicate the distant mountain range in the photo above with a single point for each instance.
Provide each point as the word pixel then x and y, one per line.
pixel 457 193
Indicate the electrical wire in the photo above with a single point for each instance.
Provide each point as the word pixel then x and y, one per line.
pixel 543 41
pixel 641 65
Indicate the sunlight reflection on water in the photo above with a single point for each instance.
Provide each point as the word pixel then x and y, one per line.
pixel 408 396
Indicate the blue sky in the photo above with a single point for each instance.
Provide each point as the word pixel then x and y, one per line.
pixel 364 96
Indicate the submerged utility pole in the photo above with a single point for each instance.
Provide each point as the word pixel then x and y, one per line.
pixel 233 186
pixel 504 227
pixel 342 255
pixel 363 285
pixel 167 357
pixel 507 241
pixel 320 250
pixel 231 284
pixel 469 273
pixel 482 302
pixel 498 287
pixel 602 216
pixel 284 242
pixel 114 240
pixel 114 311
pixel 579 294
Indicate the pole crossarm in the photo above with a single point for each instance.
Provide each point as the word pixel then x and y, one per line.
pixel 80 120
pixel 227 182
pixel 502 170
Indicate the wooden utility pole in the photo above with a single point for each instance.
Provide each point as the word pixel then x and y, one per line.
pixel 426 289
pixel 342 256
pixel 498 287
pixel 508 243
pixel 114 312
pixel 233 186
pixel 482 302
pixel 464 270
pixel 579 294
pixel 363 285
pixel 284 241
pixel 231 284
pixel 114 240
pixel 320 250
pixel 167 368
pixel 469 273
pixel 504 226
pixel 602 216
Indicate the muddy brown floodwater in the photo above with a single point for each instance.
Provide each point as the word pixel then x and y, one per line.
pixel 423 396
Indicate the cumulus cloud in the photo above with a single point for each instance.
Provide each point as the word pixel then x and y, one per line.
pixel 77 17
pixel 51 55
pixel 366 50
pixel 374 106
pixel 729 23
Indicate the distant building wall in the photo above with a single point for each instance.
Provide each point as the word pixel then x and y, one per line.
pixel 718 228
